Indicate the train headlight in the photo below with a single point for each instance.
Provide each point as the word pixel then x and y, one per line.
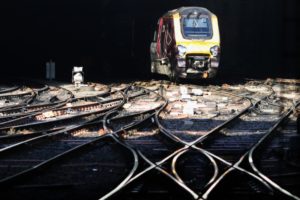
pixel 215 50
pixel 181 50
pixel 181 63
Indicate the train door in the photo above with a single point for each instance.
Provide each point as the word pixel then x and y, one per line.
pixel 154 54
pixel 159 60
pixel 167 41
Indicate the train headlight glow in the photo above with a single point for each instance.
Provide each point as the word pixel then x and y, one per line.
pixel 215 50
pixel 181 63
pixel 181 50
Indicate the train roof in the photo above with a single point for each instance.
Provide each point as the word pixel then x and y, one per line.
pixel 187 10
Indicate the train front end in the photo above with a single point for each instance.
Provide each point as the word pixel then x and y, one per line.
pixel 197 43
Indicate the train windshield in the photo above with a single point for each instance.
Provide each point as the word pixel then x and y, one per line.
pixel 196 27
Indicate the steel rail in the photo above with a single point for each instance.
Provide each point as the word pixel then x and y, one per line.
pixel 155 166
pixel 32 169
pixel 27 111
pixel 187 145
pixel 42 89
pixel 34 94
pixel 250 159
pixel 60 156
pixel 211 158
pixel 52 134
pixel 178 153
pixel 260 143
pixel 114 134
pixel 178 182
pixel 25 136
pixel 28 97
pixel 11 89
pixel 20 107
pixel 102 108
pixel 209 155
pixel 105 102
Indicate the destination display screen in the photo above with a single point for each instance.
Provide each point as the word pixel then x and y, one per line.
pixel 196 27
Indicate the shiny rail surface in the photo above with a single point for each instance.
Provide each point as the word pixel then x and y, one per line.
pixel 140 140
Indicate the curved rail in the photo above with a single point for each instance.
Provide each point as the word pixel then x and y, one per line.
pixel 180 151
pixel 259 143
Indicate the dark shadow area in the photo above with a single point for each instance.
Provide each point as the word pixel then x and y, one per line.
pixel 111 39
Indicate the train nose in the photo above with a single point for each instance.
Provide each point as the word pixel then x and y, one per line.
pixel 198 64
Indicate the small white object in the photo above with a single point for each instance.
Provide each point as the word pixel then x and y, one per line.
pixel 188 122
pixel 171 94
pixel 175 113
pixel 222 105
pixel 188 110
pixel 185 96
pixel 225 98
pixel 172 99
pixel 183 90
pixel 192 103
pixel 152 120
pixel 77 69
pixel 127 105
pixel 177 105
pixel 69 105
pixel 197 92
pixel 77 76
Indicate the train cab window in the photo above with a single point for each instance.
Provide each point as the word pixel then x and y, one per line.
pixel 196 27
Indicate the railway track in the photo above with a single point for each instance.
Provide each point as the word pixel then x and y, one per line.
pixel 7 89
pixel 77 110
pixel 93 134
pixel 59 138
pixel 22 96
pixel 40 149
pixel 211 152
pixel 44 97
pixel 231 147
pixel 281 162
pixel 248 159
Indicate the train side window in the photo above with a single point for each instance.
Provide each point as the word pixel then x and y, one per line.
pixel 169 32
pixel 163 37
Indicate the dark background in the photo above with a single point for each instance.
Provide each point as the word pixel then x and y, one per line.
pixel 111 38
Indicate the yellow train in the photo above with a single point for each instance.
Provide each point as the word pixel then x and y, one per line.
pixel 186 44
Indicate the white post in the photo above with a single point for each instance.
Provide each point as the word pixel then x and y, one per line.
pixel 77 76
pixel 50 70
